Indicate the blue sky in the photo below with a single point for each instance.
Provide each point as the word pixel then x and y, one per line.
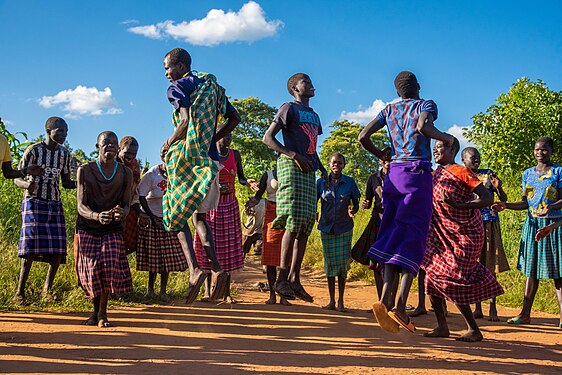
pixel 99 64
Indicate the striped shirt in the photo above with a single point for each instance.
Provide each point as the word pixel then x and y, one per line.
pixel 401 118
pixel 56 162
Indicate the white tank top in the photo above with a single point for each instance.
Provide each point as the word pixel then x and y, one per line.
pixel 271 187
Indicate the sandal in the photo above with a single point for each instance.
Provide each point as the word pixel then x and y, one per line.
pixel 384 320
pixel 518 320
pixel 409 326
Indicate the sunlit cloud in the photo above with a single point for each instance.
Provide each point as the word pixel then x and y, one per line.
pixel 364 115
pixel 457 131
pixel 82 101
pixel 247 25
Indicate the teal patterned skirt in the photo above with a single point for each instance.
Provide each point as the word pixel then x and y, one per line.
pixel 543 259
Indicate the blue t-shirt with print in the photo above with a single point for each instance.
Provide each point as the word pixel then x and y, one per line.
pixel 542 190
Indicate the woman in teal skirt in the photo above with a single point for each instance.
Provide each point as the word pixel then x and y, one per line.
pixel 339 197
pixel 542 198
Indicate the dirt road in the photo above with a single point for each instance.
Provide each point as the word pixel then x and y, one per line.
pixel 251 337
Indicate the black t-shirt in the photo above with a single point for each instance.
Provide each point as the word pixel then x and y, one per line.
pixel 300 128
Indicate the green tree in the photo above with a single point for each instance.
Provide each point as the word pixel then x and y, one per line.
pixel 505 134
pixel 343 139
pixel 256 116
pixel 17 141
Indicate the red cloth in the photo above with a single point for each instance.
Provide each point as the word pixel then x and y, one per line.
pixel 271 249
pixel 454 244
pixel 227 232
pixel 227 175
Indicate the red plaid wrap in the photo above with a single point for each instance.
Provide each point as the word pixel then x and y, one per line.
pixel 271 249
pixel 159 250
pixel 101 263
pixel 454 244
pixel 227 232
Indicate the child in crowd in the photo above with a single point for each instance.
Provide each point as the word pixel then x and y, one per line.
pixel 158 251
pixel 401 241
pixel 43 231
pixel 272 238
pixel 339 198
pixel 104 195
pixel 493 255
pixel 542 198
pixel 193 162
pixel 296 195
pixel 128 149
pixel 454 243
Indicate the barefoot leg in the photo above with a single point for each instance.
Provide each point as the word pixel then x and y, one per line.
pixel 473 332
pixel 493 315
pixel 341 292
pixel 442 329
pixel 271 272
pixel 25 267
pixel 332 293
pixel 102 315
pixel 478 311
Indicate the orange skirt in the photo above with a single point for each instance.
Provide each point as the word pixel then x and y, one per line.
pixel 271 250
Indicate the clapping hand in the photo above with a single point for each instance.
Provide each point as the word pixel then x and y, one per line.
pixel 118 213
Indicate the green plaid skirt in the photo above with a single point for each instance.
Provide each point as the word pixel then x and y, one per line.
pixel 337 253
pixel 296 198
pixel 543 259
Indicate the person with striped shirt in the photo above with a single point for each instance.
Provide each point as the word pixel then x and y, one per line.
pixel 43 230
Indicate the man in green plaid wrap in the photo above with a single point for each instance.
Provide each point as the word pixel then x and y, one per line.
pixel 192 161
pixel 296 194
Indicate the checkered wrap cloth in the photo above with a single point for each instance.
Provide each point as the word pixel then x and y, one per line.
pixel 190 169
pixel 43 230
pixel 271 250
pixel 296 198
pixel 101 263
pixel 337 253
pixel 159 250
pixel 454 244
pixel 543 259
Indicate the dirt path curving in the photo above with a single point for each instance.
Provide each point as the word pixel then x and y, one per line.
pixel 251 337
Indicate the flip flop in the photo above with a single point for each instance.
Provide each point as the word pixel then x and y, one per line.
pixel 193 290
pixel 407 326
pixel 219 286
pixel 518 320
pixel 384 320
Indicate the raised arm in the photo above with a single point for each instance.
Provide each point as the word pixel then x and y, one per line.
pixel 232 120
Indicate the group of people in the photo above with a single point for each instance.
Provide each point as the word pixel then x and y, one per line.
pixel 441 225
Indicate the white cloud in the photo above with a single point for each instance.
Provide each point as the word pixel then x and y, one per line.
pixel 364 115
pixel 246 25
pixel 82 100
pixel 457 131
pixel 129 22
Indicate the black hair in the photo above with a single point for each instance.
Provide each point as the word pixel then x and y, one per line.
pixel 106 133
pixel 338 154
pixel 179 55
pixel 469 149
pixel 128 140
pixel 406 85
pixel 292 81
pixel 54 122
pixel 456 146
pixel 547 141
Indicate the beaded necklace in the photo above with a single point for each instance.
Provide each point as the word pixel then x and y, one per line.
pixel 112 175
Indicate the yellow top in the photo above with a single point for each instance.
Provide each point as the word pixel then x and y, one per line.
pixel 4 150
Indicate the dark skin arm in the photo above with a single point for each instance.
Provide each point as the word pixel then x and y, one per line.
pixel 239 168
pixel 354 206
pixel 304 164
pixel 365 139
pixel 10 173
pixel 253 201
pixel 485 199
pixel 232 120
pixel 181 130
pixel 153 218
pixel 426 127
pixel 496 183
pixel 67 182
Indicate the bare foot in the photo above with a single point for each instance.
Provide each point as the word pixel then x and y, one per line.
pixel 165 298
pixel 493 315
pixel 341 308
pixel 418 311
pixel 272 300
pixel 478 314
pixel 91 321
pixel 471 336
pixel 437 332
pixel 330 306
pixel 284 302
pixel 47 296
